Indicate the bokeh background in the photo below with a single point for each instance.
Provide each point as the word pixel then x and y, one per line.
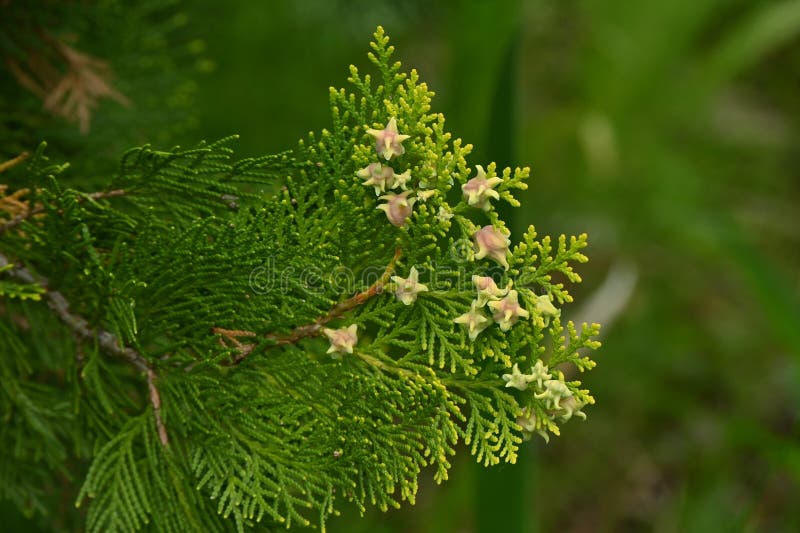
pixel 668 131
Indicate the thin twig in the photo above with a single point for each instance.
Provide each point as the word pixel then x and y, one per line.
pixel 107 341
pixel 155 400
pixel 106 194
pixel 340 309
pixel 309 330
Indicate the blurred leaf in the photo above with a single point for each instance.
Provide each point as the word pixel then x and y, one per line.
pixel 772 290
pixel 767 28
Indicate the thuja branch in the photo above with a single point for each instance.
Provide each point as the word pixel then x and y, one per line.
pixel 314 328
pixel 106 340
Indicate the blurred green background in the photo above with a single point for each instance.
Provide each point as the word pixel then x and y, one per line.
pixel 669 131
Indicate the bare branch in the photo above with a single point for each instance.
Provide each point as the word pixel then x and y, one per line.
pixel 107 341
pixel 309 330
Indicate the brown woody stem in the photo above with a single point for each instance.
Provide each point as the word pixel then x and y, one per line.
pixel 312 329
pixel 107 341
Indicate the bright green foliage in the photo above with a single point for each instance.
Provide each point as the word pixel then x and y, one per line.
pixel 220 274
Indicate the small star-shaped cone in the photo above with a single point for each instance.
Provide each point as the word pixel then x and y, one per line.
pixel 539 373
pixel 487 289
pixel 426 195
pixel 555 390
pixel 474 320
pixel 479 190
pixel 342 340
pixel 572 407
pixel 397 207
pixel 408 288
pixel 527 420
pixel 401 180
pixel 507 310
pixel 380 177
pixel 492 243
pixel 388 141
pixel 544 309
pixel 517 379
pixel 444 214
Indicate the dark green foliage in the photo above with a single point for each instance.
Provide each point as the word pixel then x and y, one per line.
pixel 215 405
